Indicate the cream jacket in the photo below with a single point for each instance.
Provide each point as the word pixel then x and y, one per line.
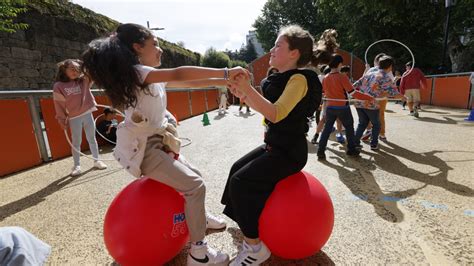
pixel 147 118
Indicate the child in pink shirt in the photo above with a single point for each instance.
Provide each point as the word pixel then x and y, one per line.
pixel 74 104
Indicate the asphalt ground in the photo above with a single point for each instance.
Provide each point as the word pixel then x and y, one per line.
pixel 411 202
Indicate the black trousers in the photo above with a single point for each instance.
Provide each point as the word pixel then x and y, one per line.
pixel 251 181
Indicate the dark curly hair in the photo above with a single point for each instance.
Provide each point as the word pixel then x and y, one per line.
pixel 110 61
pixel 316 54
pixel 325 48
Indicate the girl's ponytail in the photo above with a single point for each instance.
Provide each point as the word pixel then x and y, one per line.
pixel 325 48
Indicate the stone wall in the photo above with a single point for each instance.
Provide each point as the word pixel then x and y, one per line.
pixel 28 57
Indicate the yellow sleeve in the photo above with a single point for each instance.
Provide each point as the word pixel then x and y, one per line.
pixel 295 90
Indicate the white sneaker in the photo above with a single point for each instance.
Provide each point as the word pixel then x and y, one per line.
pixel 249 257
pixel 215 223
pixel 204 255
pixel 76 170
pixel 100 165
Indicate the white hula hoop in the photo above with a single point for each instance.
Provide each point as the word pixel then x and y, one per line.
pixel 395 41
pixel 85 155
pixel 92 158
pixel 357 100
pixel 98 132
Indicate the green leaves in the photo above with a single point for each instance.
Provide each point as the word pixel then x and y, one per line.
pixel 213 58
pixel 8 12
pixel 417 23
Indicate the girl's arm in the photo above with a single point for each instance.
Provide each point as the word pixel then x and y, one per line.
pixel 88 80
pixel 201 83
pixel 191 73
pixel 60 107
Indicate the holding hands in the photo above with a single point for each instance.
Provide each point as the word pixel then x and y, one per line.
pixel 236 71
pixel 239 83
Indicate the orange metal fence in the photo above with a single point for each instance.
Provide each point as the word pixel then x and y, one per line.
pixel 22 142
pixel 451 92
pixel 23 145
pixel 19 148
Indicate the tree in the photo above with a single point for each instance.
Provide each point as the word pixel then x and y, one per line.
pixel 279 13
pixel 181 44
pixel 213 58
pixel 233 55
pixel 234 63
pixel 461 36
pixel 416 23
pixel 248 54
pixel 9 9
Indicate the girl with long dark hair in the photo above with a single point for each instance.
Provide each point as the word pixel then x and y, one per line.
pixel 147 144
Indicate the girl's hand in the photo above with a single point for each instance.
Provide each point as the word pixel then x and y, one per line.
pixel 234 88
pixel 235 71
pixel 369 103
pixel 241 80
pixel 243 83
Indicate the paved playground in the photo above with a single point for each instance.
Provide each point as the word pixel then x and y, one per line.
pixel 411 202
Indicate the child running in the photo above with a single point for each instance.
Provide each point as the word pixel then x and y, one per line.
pixel 147 144
pixel 289 97
pixel 74 104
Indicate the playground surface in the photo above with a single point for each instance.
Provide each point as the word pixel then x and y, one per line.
pixel 410 202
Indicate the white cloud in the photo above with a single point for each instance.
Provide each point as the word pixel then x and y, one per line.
pixel 199 24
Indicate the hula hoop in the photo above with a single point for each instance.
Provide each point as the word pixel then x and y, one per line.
pixel 357 100
pixel 92 158
pixel 395 41
pixel 81 153
pixel 98 132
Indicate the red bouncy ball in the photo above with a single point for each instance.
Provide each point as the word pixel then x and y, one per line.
pixel 298 217
pixel 145 224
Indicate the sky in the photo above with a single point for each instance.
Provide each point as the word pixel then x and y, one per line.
pixel 199 24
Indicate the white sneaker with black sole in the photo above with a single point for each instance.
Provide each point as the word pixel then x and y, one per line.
pixel 201 254
pixel 247 256
pixel 215 223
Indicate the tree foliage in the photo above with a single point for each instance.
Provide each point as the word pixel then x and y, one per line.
pixel 246 53
pixel 8 12
pixel 278 13
pixel 417 23
pixel 234 63
pixel 213 58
